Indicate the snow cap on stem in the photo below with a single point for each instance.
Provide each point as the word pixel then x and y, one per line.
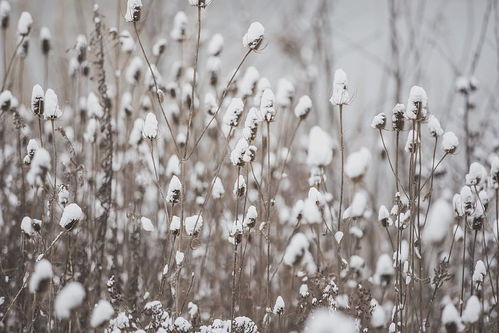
pixel 340 95
pixel 254 36
pixel 267 109
pixel 150 128
pixel 320 148
pixel 37 100
pixel 68 299
pixel 174 190
pixel 133 10
pixel 450 142
pixel 45 39
pixel 52 111
pixel 303 107
pixel 71 215
pixel 416 104
pixel 434 127
pixel 41 276
pixel 102 312
pixel 379 121
pixel 24 24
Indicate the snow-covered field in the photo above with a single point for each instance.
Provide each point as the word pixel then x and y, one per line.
pixel 249 166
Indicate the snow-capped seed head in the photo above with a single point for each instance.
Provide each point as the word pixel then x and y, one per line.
pixel 357 164
pixel 379 121
pixel 27 227
pixel 40 164
pixel 94 107
pixel 251 125
pixel 159 47
pixel 150 129
pixel 476 175
pixel 182 325
pixel 127 43
pixel 146 224
pixel 449 142
pixel 210 104
pixel 340 95
pixel 134 71
pixel 398 119
pixel 434 127
pixel 320 148
pixel 200 3
pixel 237 154
pixel 174 190
pixel 285 93
pixel 296 250
pixel 6 100
pixel 439 222
pixel 37 100
pixel 233 113
pixel 218 189
pixel 179 27
pixel 32 147
pixel 251 216
pixel 239 187
pixel 479 272
pixel 384 269
pixel 45 39
pixel 215 47
pixel 71 215
pixel 81 48
pixel 247 84
pixel 451 319
pixel 133 10
pixel 384 216
pixel 175 226
pixel 193 225
pixel 236 232
pixel 254 36
pixel 102 312
pixel 279 306
pixel 416 104
pixel 330 321
pixel 4 14
pixel 467 200
pixel 472 310
pixel 52 111
pixel 41 277
pixel 24 24
pixel 68 299
pixel 303 107
pixel 267 109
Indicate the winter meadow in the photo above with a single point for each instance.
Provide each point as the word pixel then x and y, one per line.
pixel 249 166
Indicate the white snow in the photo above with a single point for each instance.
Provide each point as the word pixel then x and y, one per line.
pixel 175 225
pixel 320 148
pixel 440 220
pixel 193 225
pixel 37 100
pixel 146 224
pixel 27 226
pixel 417 96
pixel 449 142
pixel 340 95
pixel 39 166
pixel 174 190
pixel 69 298
pixel 179 27
pixel 254 36
pixel 150 129
pixel 379 121
pixel 476 175
pixel 42 274
pixel 357 163
pixel 239 187
pixel 278 306
pixel 24 24
pixel 72 213
pixel 303 107
pixel 102 312
pixel 472 310
pixel 451 316
pixel 378 317
pixel 285 92
pixel 133 70
pixel 267 109
pixel 133 10
pixel 94 107
pixel 52 109
pixel 434 126
pixel 479 272
pixel 328 321
pixel 233 113
pixel 127 42
pixel 216 45
pixel 297 253
pixel 218 189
